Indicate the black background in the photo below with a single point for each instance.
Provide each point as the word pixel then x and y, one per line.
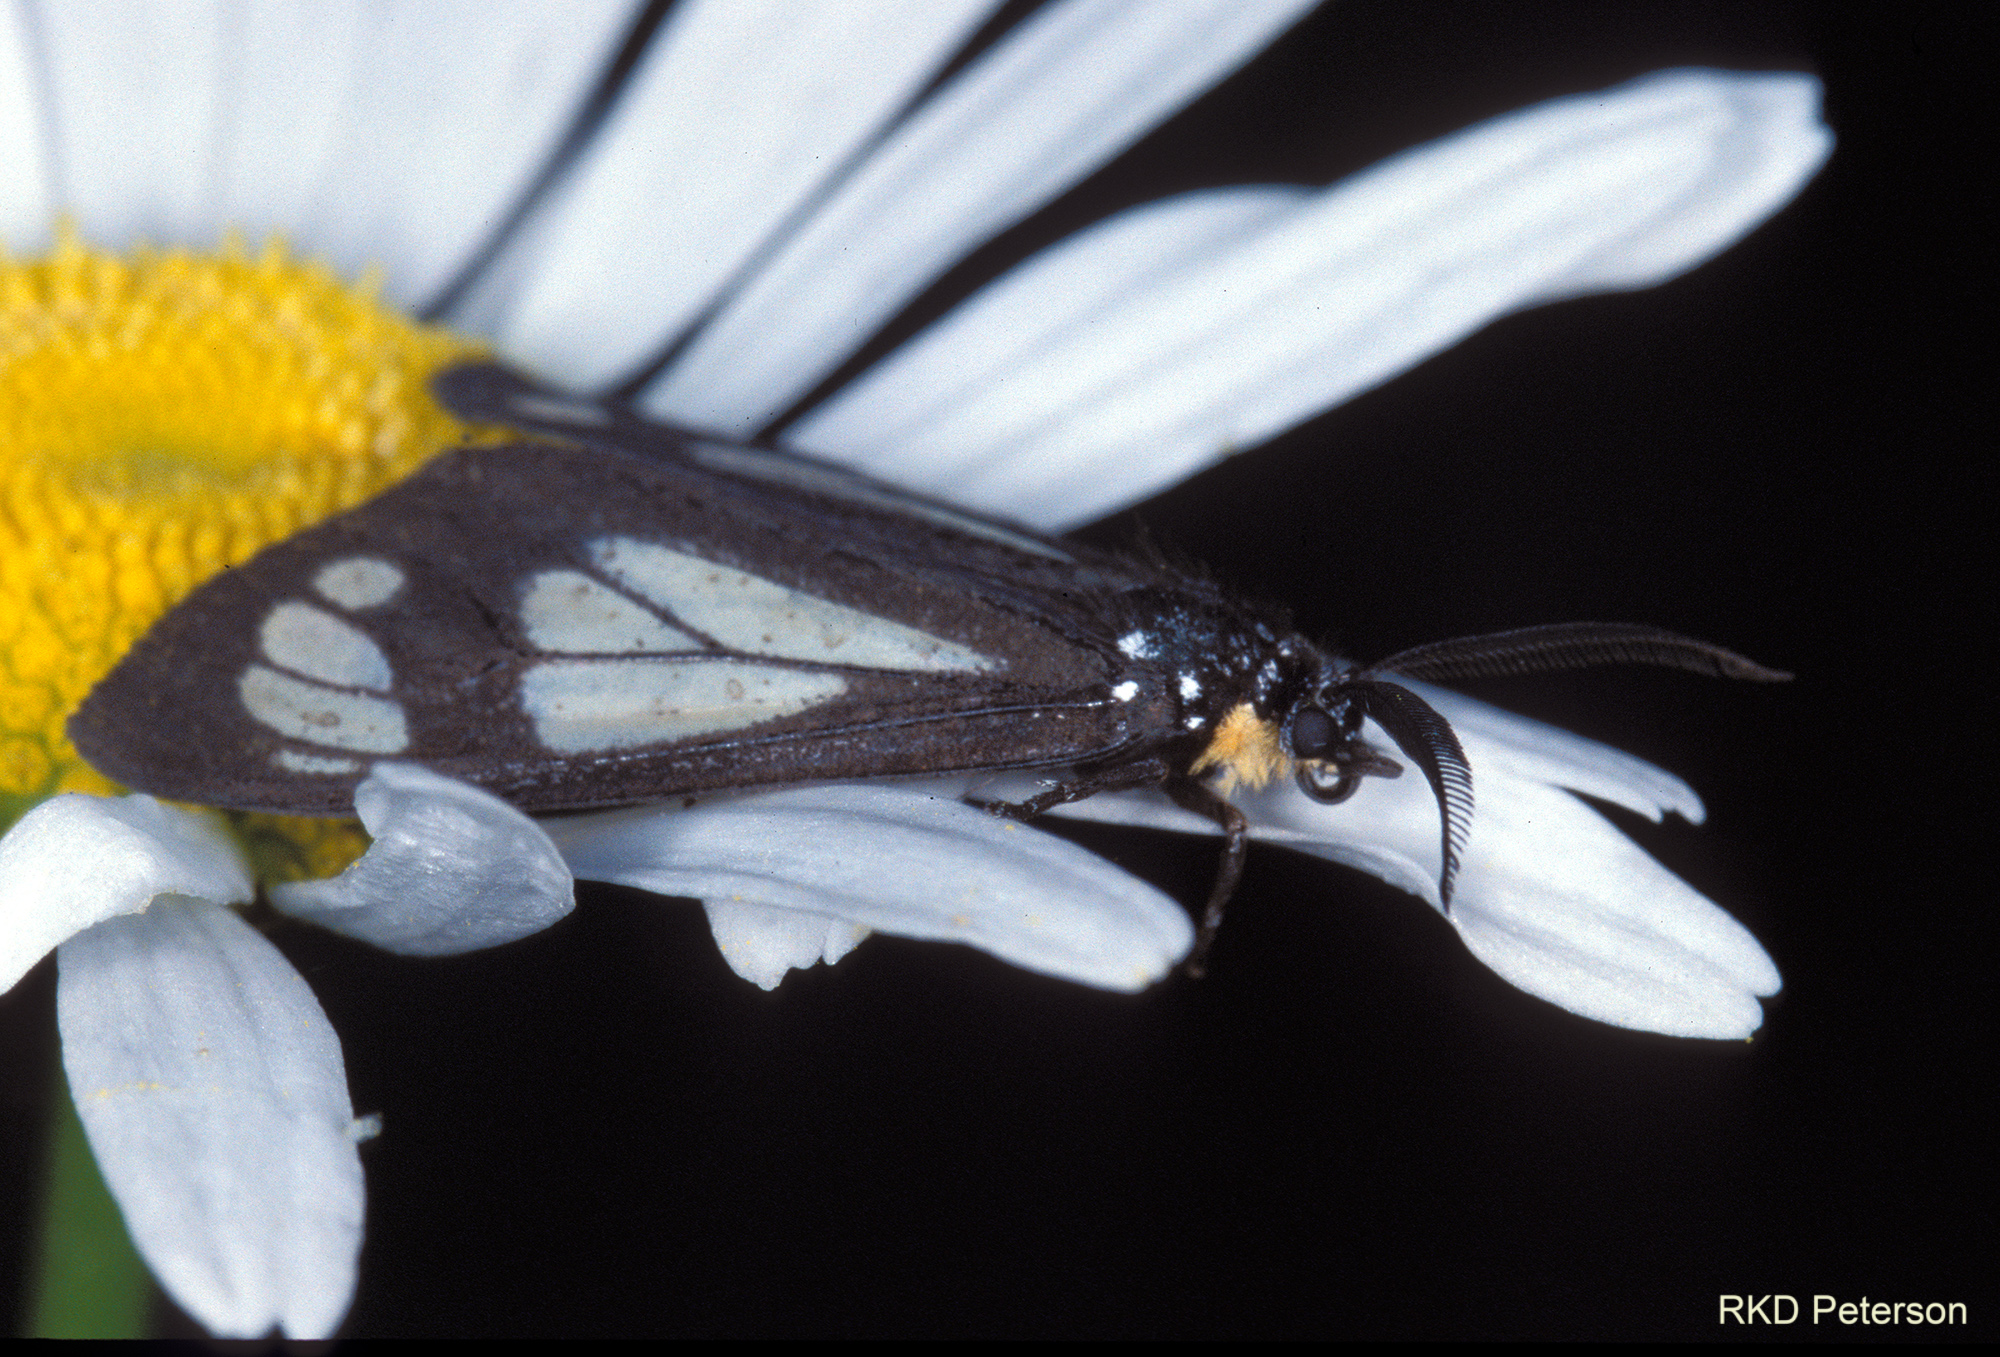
pixel 1351 1128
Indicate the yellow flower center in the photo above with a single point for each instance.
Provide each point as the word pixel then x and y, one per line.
pixel 164 414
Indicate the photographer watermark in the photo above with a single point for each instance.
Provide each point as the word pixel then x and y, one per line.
pixel 1782 1309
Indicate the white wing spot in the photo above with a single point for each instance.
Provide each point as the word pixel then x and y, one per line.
pixel 1190 689
pixel 755 615
pixel 315 715
pixel 568 610
pixel 1136 645
pixel 294 762
pixel 586 706
pixel 313 642
pixel 358 582
pixel 1126 691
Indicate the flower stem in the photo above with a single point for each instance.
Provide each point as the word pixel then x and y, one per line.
pixel 88 1280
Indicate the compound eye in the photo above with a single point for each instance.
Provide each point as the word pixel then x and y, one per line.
pixel 1313 734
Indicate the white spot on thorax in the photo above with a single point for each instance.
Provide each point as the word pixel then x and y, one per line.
pixel 313 642
pixel 1136 645
pixel 758 617
pixel 322 716
pixel 358 582
pixel 1126 691
pixel 568 610
pixel 585 706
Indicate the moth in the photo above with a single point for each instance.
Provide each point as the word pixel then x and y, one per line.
pixel 612 610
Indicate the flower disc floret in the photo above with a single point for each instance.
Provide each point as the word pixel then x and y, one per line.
pixel 164 414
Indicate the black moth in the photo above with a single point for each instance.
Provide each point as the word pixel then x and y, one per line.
pixel 613 611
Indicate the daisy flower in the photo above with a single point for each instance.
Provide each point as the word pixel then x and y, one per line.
pixel 710 210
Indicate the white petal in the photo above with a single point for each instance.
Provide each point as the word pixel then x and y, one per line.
pixel 1074 85
pixel 896 861
pixel 370 134
pixel 1562 905
pixel 738 114
pixel 761 943
pixel 212 1090
pixel 401 135
pixel 25 216
pixel 74 861
pixel 135 91
pixel 1551 895
pixel 1242 339
pixel 885 415
pixel 452 869
pixel 1512 746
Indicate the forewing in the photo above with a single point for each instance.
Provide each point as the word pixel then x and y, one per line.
pixel 585 624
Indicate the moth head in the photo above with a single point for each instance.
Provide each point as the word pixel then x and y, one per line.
pixel 1322 733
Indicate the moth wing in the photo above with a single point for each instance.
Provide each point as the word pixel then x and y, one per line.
pixel 598 623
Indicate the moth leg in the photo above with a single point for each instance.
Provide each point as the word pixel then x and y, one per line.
pixel 1195 796
pixel 1145 773
pixel 1187 793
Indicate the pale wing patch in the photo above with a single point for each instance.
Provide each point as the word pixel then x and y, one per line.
pixel 313 642
pixel 821 480
pixel 358 582
pixel 754 615
pixel 322 716
pixel 587 706
pixel 294 762
pixel 569 611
